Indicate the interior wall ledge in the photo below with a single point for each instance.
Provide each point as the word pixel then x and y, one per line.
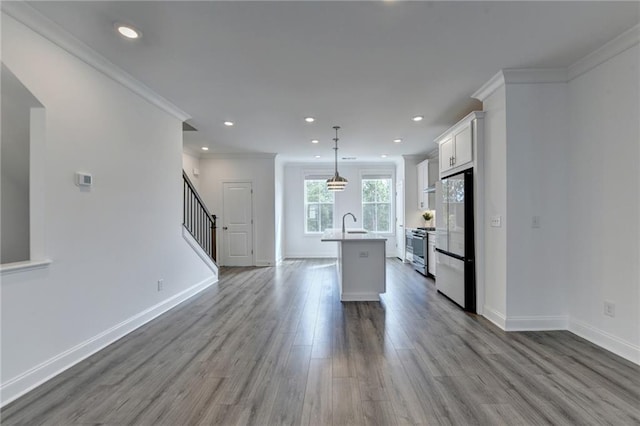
pixel 36 21
pixel 28 265
pixel 614 47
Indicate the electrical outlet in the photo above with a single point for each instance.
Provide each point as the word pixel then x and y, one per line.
pixel 496 221
pixel 535 222
pixel 609 309
pixel 160 285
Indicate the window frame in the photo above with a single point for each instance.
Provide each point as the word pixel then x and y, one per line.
pixel 305 203
pixel 379 175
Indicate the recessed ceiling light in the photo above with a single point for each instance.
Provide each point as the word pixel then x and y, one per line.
pixel 417 118
pixel 228 123
pixel 128 31
pixel 205 148
pixel 317 156
pixel 384 156
pixel 314 141
pixel 397 140
pixel 309 119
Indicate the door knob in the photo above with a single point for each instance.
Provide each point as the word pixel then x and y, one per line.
pixel 225 228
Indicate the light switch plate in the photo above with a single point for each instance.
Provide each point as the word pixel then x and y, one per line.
pixel 496 221
pixel 84 179
pixel 535 221
pixel 609 309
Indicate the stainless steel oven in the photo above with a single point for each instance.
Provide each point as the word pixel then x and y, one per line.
pixel 419 245
pixel 408 244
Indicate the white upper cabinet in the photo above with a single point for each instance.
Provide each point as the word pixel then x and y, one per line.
pixel 456 145
pixel 463 147
pixel 427 177
pixel 446 153
pixel 423 183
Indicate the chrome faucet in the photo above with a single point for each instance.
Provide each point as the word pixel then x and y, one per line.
pixel 343 217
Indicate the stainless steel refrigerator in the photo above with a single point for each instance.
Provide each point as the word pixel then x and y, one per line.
pixel 455 239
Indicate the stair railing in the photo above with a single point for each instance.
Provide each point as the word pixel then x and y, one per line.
pixel 196 218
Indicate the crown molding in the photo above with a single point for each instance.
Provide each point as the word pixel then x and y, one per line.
pixel 534 75
pixel 238 156
pixel 489 87
pixel 433 154
pixel 614 47
pixel 418 157
pixel 36 21
pixel 520 76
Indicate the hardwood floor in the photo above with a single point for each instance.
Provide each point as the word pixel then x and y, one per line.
pixel 276 346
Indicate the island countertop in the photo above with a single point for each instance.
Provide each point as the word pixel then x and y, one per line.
pixel 360 235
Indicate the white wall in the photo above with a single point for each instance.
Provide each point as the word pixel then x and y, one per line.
pixel 603 201
pixel 296 242
pixel 260 170
pixel 279 208
pixel 567 152
pixel 536 183
pixel 17 102
pixel 412 214
pixel 109 245
pixel 401 251
pixel 495 204
pixel 189 164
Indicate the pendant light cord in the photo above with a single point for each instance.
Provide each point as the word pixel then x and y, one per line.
pixel 336 149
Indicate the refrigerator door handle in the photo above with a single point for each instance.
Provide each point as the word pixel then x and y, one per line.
pixel 455 256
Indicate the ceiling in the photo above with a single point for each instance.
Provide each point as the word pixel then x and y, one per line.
pixel 365 66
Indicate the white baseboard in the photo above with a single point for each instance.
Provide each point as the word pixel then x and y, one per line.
pixel 199 251
pixel 311 256
pixel 495 317
pixel 614 344
pixel 360 297
pixel 18 386
pixel 536 323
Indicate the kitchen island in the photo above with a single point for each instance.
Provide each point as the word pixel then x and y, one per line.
pixel 361 264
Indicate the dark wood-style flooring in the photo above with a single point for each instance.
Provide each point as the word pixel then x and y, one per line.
pixel 275 346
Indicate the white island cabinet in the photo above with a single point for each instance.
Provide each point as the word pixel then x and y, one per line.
pixel 361 264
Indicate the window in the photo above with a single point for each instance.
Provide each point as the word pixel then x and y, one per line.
pixel 318 206
pixel 376 204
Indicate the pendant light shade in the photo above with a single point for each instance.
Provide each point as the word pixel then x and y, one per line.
pixel 337 182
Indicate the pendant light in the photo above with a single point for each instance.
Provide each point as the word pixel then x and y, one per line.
pixel 337 182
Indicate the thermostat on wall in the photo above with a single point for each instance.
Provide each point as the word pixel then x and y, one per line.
pixel 83 179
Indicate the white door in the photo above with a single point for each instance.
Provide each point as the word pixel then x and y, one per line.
pixel 400 241
pixel 237 227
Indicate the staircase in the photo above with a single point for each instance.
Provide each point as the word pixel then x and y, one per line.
pixel 197 220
